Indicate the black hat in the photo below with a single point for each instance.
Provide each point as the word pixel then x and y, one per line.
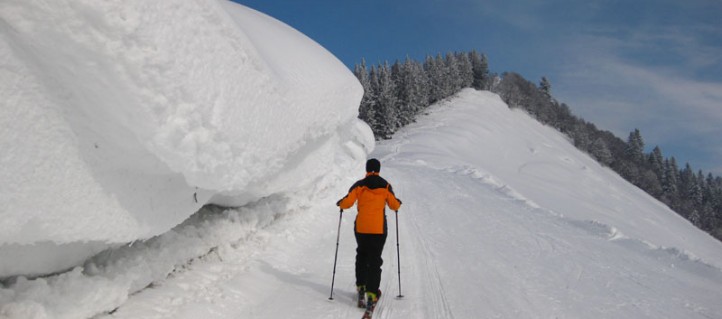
pixel 373 165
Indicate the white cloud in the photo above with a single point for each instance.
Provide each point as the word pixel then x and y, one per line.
pixel 597 63
pixel 656 70
pixel 620 91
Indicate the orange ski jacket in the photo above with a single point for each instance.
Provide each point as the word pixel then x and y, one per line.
pixel 373 194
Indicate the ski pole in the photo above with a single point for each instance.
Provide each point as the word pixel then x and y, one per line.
pixel 398 253
pixel 338 236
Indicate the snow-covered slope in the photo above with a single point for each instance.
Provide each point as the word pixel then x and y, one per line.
pixel 120 119
pixel 485 232
pixel 482 138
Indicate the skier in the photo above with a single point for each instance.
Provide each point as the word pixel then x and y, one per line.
pixel 373 194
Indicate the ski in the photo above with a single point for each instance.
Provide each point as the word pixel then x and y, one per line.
pixel 369 312
pixel 361 298
pixel 370 306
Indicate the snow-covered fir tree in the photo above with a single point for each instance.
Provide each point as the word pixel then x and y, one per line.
pixel 386 101
pixel 480 70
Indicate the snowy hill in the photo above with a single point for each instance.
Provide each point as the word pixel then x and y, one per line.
pixel 120 119
pixel 502 218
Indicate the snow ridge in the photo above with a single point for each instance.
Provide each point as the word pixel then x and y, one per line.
pixel 593 227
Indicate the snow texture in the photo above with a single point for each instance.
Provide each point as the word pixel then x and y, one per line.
pixel 118 116
pixel 483 233
pixel 120 119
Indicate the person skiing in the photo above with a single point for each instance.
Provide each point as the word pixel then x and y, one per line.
pixel 373 193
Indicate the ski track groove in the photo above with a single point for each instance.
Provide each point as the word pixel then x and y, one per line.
pixel 429 273
pixel 432 295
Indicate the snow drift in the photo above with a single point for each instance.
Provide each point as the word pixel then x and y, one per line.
pixel 120 119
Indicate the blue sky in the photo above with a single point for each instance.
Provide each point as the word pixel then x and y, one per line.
pixel 655 65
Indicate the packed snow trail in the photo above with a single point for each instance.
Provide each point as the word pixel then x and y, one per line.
pixel 471 247
pixel 486 255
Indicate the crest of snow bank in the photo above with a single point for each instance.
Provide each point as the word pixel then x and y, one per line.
pixel 122 118
pixel 282 95
pixel 476 134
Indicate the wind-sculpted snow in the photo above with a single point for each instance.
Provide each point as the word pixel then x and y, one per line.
pixel 120 119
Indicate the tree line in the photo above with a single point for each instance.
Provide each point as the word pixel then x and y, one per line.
pixel 395 94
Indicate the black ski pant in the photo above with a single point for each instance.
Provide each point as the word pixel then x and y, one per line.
pixel 368 260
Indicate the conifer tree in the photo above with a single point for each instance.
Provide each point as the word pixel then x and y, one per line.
pixel 656 161
pixel 374 99
pixel 411 89
pixel 546 87
pixel 686 188
pixel 581 137
pixel 670 181
pixel 466 72
pixel 697 193
pixel 452 75
pixel 386 104
pixel 601 152
pixel 635 146
pixel 401 93
pixel 420 84
pixel 366 109
pixel 480 70
pixel 434 75
pixel 442 78
pixel 405 92
pixel 709 191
